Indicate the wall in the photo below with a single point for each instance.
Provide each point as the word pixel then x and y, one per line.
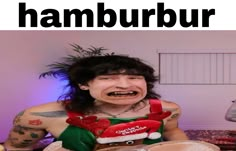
pixel 24 55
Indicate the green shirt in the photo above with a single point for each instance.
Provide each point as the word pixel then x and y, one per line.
pixel 79 139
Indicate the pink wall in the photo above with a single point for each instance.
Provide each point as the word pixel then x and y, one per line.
pixel 24 55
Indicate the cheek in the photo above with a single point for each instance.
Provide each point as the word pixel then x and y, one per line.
pixel 143 86
pixel 145 90
pixel 96 90
pixel 94 94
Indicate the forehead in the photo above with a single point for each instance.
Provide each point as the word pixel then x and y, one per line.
pixel 121 72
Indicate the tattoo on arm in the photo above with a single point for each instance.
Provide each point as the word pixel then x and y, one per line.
pixel 18 117
pixel 23 143
pixel 24 136
pixel 176 115
pixel 35 122
pixel 26 142
pixel 34 135
pixel 172 110
pixel 50 114
pixel 20 129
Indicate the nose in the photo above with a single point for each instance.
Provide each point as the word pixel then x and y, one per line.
pixel 123 83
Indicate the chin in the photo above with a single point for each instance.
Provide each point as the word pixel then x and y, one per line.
pixel 125 101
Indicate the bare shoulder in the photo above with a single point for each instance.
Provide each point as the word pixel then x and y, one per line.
pixel 41 115
pixel 51 106
pixel 173 108
pixel 171 130
pixel 32 123
pixel 169 105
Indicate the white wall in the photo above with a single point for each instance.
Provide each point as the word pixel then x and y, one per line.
pixel 24 55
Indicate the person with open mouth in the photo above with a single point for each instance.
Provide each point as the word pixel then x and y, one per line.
pixel 110 104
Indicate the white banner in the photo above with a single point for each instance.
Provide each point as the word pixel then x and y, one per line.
pixel 117 15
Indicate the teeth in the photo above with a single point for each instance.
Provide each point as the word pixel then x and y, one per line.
pixel 122 93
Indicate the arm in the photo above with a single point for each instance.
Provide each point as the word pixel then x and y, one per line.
pixel 27 131
pixel 171 130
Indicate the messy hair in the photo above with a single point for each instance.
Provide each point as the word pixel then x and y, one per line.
pixel 82 69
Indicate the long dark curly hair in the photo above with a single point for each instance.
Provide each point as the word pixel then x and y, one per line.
pixel 90 63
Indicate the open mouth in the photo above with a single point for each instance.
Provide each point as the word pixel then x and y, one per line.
pixel 122 93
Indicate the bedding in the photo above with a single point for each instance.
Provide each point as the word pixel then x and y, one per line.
pixel 225 139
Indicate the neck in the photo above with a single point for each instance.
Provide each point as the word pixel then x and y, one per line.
pixel 114 107
pixel 115 110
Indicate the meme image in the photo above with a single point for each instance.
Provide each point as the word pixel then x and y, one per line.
pixel 104 76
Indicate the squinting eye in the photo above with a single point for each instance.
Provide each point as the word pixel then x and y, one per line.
pixel 136 77
pixel 104 78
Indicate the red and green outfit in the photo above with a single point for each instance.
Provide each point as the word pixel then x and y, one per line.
pixel 87 133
